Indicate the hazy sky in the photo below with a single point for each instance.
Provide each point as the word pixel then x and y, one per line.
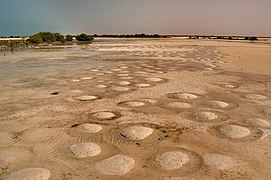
pixel 212 17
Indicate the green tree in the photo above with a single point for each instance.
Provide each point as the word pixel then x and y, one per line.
pixel 47 37
pixel 69 37
pixel 59 37
pixel 36 39
pixel 83 37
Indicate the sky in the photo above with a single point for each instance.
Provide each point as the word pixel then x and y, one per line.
pixel 202 17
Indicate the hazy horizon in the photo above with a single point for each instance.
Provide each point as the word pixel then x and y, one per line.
pixel 201 17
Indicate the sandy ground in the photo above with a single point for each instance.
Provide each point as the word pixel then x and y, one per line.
pixel 137 109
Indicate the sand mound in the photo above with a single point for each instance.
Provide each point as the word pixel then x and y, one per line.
pixel 152 101
pixel 136 132
pixel 116 165
pixel 122 75
pixel 75 80
pixel 87 78
pixel 90 128
pixel 101 86
pixel 171 160
pixel 76 91
pixel 83 150
pixel 124 67
pixel 124 83
pixel 134 103
pixel 219 104
pixel 104 115
pixel 179 105
pixel 116 69
pixel 234 131
pixel 154 79
pixel 230 86
pixel 267 112
pixel 219 162
pixel 183 95
pixel 142 85
pixel 30 174
pixel 126 77
pixel 255 96
pixel 257 122
pixel 206 115
pixel 99 74
pixel 87 98
pixel 120 89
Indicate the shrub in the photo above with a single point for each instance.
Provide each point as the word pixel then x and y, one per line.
pixel 36 39
pixel 83 37
pixel 69 38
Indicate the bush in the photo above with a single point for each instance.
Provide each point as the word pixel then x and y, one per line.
pixel 69 38
pixel 36 39
pixel 83 37
pixel 251 38
pixel 59 37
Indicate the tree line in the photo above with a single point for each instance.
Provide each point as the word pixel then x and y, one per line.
pixel 49 37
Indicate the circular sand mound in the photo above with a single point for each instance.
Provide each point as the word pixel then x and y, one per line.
pixel 90 128
pixel 75 80
pixel 257 122
pixel 255 96
pixel 116 69
pixel 87 78
pixel 234 131
pixel 30 174
pixel 230 86
pixel 122 75
pixel 267 112
pixel 101 86
pixel 136 132
pixel 154 79
pixel 120 89
pixel 104 115
pixel 171 160
pixel 218 104
pixel 134 103
pixel 152 101
pixel 179 105
pixel 142 85
pixel 219 161
pixel 124 83
pixel 83 150
pixel 116 165
pixel 183 95
pixel 128 77
pixel 87 98
pixel 206 115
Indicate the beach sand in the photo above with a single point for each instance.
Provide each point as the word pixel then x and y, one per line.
pixel 137 109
